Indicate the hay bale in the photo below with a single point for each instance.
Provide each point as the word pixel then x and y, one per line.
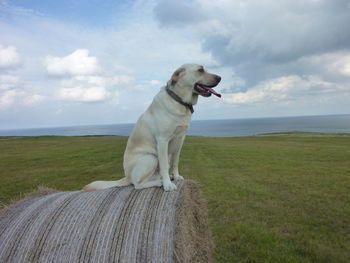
pixel 112 225
pixel 41 191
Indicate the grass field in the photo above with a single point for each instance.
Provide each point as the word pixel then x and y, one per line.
pixel 272 198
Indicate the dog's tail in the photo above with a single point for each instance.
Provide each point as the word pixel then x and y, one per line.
pixel 97 185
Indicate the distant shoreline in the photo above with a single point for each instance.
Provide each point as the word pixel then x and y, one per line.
pixel 25 136
pixel 275 134
pixel 210 128
pixel 133 123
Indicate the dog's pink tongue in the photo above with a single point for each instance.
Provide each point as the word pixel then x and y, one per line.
pixel 214 92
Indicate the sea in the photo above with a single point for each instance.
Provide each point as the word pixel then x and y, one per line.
pixel 213 128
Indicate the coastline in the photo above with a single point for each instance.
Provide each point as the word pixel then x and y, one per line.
pixel 274 134
pixel 208 128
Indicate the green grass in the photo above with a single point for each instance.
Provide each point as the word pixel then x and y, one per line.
pixel 272 198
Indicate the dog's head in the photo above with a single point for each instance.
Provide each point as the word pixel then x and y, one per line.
pixel 194 78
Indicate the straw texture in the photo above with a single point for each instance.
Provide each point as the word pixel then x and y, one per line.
pixel 112 225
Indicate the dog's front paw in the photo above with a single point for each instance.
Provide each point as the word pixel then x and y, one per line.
pixel 178 177
pixel 169 186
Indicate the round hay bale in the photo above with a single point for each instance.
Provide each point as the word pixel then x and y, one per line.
pixel 112 225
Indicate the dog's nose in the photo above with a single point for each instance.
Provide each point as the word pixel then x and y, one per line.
pixel 218 78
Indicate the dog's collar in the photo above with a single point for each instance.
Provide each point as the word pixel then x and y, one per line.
pixel 178 99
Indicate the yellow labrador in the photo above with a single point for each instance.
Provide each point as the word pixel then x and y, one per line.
pixel 155 143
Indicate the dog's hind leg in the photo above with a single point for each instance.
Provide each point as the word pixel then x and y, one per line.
pixel 153 183
pixel 143 173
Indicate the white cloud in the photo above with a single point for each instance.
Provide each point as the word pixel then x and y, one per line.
pixel 342 64
pixel 99 80
pixel 120 80
pixel 13 91
pixel 346 68
pixel 9 57
pixel 7 98
pixel 77 63
pixel 333 65
pixel 18 97
pixel 32 99
pixel 286 88
pixel 84 80
pixel 155 82
pixel 82 94
pixel 83 89
pixel 8 81
pixel 92 88
pixel 138 87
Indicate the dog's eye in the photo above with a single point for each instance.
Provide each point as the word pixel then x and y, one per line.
pixel 201 70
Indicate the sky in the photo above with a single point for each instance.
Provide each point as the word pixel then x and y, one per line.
pixel 75 62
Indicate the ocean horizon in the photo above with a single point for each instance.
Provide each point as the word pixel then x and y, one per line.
pixel 212 128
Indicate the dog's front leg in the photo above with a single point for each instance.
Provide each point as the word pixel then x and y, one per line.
pixel 175 149
pixel 162 149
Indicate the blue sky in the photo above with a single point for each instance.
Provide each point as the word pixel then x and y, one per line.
pixel 86 13
pixel 96 62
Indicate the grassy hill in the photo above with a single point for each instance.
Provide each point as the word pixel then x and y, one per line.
pixel 271 198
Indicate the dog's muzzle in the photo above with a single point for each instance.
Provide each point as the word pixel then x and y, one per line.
pixel 207 90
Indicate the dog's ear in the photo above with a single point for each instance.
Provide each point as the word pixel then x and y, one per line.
pixel 176 76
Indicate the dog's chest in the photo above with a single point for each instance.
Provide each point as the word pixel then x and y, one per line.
pixel 180 129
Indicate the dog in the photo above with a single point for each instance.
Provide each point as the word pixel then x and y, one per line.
pixel 154 145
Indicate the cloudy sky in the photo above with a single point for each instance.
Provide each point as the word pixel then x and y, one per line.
pixel 76 62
